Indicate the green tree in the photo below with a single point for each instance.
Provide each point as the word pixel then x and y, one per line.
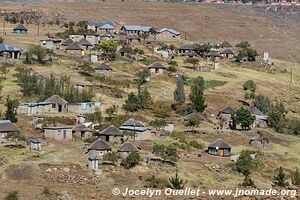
pixel 141 77
pixel 196 96
pixel 109 48
pixel 158 124
pixel 132 160
pixel 248 182
pixel 11 109
pixel 111 111
pixel 131 103
pixel 95 117
pixel 193 123
pixel 15 136
pixel 179 95
pixel 111 156
pixel 280 178
pixel 176 182
pixel 144 98
pixel 38 51
pixel 296 178
pixel 243 45
pixel 263 103
pixel 193 61
pixel 245 164
pixel 249 85
pixel 202 49
pixel 12 196
pixel 243 117
pixel 276 118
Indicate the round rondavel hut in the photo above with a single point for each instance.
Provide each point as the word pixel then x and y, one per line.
pixel 219 148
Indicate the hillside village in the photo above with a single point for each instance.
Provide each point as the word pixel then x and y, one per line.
pixel 93 105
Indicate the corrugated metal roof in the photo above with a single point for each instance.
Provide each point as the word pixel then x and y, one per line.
pixel 105 25
pixel 8 48
pixel 169 30
pixel 137 28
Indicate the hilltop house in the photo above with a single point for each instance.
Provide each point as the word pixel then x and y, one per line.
pixel 6 126
pixel 156 68
pixel 126 149
pixel 20 29
pixel 137 130
pixel 51 43
pixel 226 113
pixel 99 147
pixel 82 131
pixel 112 134
pixel 58 104
pixel 227 53
pixel 11 51
pixel 166 34
pixel 101 27
pixel 186 48
pixel 103 69
pixel 58 133
pixel 219 148
pixel 133 29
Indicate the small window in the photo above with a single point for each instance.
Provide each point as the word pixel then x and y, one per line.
pixel 53 105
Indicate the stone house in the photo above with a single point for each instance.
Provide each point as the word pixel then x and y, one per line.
pixel 34 108
pixel 166 34
pixel 227 54
pixel 58 104
pixel 136 130
pixel 101 27
pixel 112 134
pixel 186 48
pixel 81 131
pixel 35 144
pixel 99 147
pixel 85 44
pixel 126 149
pixel 6 126
pixel 84 107
pixel 58 133
pixel 157 68
pixel 75 48
pixel 219 148
pixel 133 29
pixel 51 43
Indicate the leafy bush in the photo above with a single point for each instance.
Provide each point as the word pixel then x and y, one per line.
pixel 155 182
pixel 111 156
pixel 131 160
pixel 166 152
pixel 196 144
pixel 12 196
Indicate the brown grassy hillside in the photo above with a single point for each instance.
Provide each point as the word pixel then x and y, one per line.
pixel 198 22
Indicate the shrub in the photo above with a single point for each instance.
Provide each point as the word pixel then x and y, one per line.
pixel 111 156
pixel 155 182
pixel 196 144
pixel 12 196
pixel 176 182
pixel 131 160
pixel 280 178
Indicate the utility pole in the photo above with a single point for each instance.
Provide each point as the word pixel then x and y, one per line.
pixel 4 18
pixel 38 29
pixel 291 76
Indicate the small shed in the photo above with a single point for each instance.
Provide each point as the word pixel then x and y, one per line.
pixel 257 113
pixel 227 53
pixel 81 131
pixel 137 128
pixel 93 162
pixel 35 144
pixel 112 134
pixel 20 29
pixel 11 51
pixel 126 149
pixel 103 69
pixel 58 104
pixel 156 68
pixel 219 148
